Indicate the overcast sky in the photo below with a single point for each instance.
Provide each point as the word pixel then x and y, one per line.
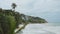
pixel 47 9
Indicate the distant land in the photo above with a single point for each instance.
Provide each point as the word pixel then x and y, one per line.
pixel 21 18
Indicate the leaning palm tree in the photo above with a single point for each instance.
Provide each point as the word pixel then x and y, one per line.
pixel 13 6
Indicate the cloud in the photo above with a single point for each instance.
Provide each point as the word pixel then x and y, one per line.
pixel 47 9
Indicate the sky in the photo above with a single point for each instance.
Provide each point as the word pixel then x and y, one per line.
pixel 47 9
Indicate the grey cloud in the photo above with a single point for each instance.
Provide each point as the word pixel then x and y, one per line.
pixel 47 9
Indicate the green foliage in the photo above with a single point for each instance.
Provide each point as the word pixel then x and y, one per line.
pixel 9 20
pixel 7 24
pixel 12 22
pixel 13 6
pixel 36 20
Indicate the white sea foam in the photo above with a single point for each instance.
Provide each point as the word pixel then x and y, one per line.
pixel 41 29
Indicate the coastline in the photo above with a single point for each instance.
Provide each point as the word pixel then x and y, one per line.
pixel 41 28
pixel 22 26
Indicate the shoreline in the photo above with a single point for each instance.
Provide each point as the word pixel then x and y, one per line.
pixel 22 26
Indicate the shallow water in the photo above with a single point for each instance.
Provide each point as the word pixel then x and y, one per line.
pixel 47 28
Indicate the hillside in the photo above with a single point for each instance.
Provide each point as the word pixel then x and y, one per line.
pixel 21 18
pixel 9 20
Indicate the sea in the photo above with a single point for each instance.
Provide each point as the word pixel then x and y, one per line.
pixel 45 28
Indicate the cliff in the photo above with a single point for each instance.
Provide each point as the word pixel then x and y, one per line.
pixel 9 20
pixel 21 18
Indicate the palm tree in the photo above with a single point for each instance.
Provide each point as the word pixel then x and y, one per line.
pixel 13 6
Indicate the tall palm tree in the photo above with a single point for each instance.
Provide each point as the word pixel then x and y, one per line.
pixel 13 6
